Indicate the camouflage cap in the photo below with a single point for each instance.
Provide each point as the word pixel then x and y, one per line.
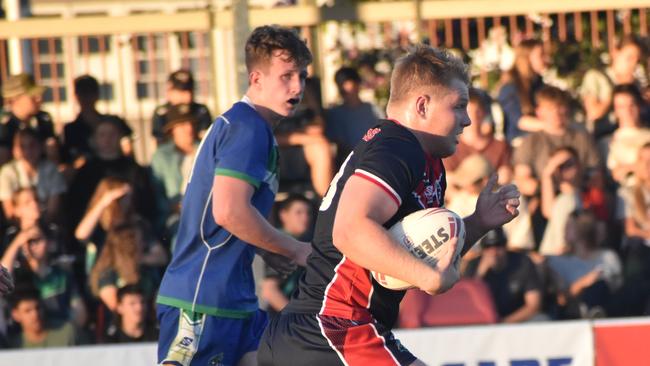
pixel 20 84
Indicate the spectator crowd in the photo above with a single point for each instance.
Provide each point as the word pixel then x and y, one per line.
pixel 86 231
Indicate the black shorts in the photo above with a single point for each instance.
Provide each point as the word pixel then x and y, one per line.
pixel 308 339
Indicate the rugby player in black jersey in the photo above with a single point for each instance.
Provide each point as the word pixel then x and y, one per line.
pixel 340 315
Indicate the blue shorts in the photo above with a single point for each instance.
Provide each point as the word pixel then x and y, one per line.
pixel 188 338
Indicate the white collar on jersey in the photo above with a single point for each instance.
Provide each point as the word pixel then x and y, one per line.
pixel 248 101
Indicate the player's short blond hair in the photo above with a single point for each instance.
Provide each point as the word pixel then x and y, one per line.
pixel 425 66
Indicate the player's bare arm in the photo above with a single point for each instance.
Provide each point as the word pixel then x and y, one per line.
pixel 494 208
pixel 358 233
pixel 232 210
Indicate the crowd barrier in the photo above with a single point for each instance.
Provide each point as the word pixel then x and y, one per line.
pixel 623 342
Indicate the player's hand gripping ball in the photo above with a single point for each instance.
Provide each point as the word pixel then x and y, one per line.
pixel 425 233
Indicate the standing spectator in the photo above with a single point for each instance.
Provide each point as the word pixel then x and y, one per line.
pixel 171 166
pixel 348 122
pixel 560 192
pixel 23 98
pixel 131 323
pixel 58 291
pixel 180 90
pixel 30 169
pixel 630 135
pixel 511 276
pixel 475 140
pixel 306 153
pixel 597 84
pixel 518 88
pixel 77 135
pixel 37 331
pixel 295 216
pixel 110 161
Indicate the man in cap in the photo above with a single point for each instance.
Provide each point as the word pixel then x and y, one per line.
pixel 23 97
pixel 172 163
pixel 180 90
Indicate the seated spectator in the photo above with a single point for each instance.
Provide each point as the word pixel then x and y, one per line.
pixel 171 166
pixel 511 276
pixel 120 263
pixel 586 275
pixel 532 156
pixel 634 211
pixel 109 161
pixel 131 323
pixel 561 195
pixel 468 181
pixel 517 91
pixel 29 169
pixel 597 84
pixel 111 206
pixel 23 97
pixel 306 153
pixel 347 123
pixel 27 214
pixel 474 140
pixel 34 269
pixel 37 331
pixel 295 218
pixel 630 135
pixel 180 90
pixel 77 135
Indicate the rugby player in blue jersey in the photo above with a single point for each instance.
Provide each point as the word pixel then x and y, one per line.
pixel 207 308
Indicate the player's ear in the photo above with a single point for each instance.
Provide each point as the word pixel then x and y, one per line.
pixel 422 105
pixel 254 78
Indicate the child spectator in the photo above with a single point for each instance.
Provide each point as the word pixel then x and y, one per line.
pixel 37 331
pixel 295 218
pixel 597 85
pixel 58 291
pixel 171 166
pixel 121 263
pixel 30 169
pixel 630 135
pixel 131 323
pixel 561 195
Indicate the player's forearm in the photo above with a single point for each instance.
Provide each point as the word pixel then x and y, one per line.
pixel 474 230
pixel 369 245
pixel 247 224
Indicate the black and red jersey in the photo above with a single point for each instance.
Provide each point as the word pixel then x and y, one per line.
pixel 391 157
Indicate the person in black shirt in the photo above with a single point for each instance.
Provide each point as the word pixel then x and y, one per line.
pixel 77 135
pixel 131 323
pixel 340 314
pixel 511 276
pixel 180 90
pixel 24 99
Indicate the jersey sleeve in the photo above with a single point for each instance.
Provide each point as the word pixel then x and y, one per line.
pixel 244 152
pixel 393 164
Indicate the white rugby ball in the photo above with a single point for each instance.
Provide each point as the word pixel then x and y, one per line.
pixel 425 233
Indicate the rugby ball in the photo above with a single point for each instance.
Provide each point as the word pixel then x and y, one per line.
pixel 425 233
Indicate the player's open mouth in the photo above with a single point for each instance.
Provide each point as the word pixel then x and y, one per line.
pixel 293 101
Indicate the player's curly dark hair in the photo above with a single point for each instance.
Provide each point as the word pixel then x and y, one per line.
pixel 267 39
pixel 425 66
